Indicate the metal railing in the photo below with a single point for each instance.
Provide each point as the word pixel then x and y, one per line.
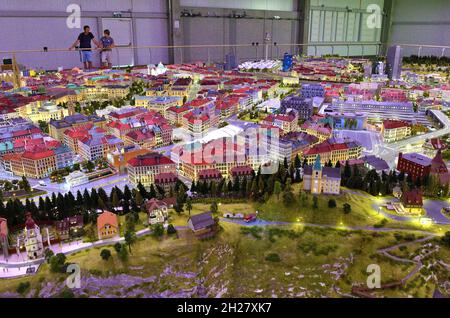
pixel 52 58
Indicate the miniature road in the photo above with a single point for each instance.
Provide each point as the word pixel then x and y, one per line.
pixel 389 151
pixel 328 226
pixel 68 249
pixel 14 269
pixel 432 207
pixel 366 292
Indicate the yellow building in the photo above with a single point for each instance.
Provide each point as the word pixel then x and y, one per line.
pixel 216 154
pixel 394 130
pixel 46 112
pixel 333 152
pixel 116 91
pixel 158 103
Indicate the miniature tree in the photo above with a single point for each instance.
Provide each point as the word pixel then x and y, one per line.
pixel 117 247
pixel 332 203
pixel 189 205
pixel 277 189
pixel 288 197
pixel 105 254
pixel 315 202
pixel 446 238
pixel 48 253
pixel 57 263
pixel 158 230
pixel 123 254
pixel 171 229
pixel 347 208
pixel 130 238
pixel 214 207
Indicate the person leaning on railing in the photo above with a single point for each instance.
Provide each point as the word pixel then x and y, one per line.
pixel 84 41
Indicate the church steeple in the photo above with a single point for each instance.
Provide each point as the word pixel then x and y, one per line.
pixel 437 164
pixel 317 164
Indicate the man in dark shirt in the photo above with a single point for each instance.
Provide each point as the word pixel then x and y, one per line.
pixel 84 41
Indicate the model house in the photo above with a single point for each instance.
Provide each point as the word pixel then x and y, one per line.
pixel 107 225
pixel 157 211
pixel 69 225
pixel 202 225
pixel 412 201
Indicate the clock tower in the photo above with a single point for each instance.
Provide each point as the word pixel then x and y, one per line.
pixel 316 177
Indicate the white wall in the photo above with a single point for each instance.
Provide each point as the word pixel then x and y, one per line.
pixel 328 22
pixel 421 22
pixel 33 24
pixel 278 5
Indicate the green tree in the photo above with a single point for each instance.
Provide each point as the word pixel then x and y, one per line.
pixel 332 203
pixel 138 198
pixel 446 239
pixel 214 208
pixel 157 230
pixel 117 247
pixel 288 197
pixel 303 197
pixel 297 162
pixel 171 229
pixel 89 166
pixel 347 208
pixel 346 174
pixel 433 185
pixel 152 193
pixel 24 184
pixel 48 253
pixel 123 254
pixel 66 293
pixel 105 254
pixel 23 287
pixel 189 205
pixel 277 189
pixel 315 202
pixel 115 201
pixel 57 263
pixel 130 238
pixel 91 233
pixel 101 204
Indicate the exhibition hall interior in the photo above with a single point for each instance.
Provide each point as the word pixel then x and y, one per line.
pixel 225 149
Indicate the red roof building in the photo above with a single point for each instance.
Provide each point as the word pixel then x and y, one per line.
pixel 144 168
pixel 414 164
pixel 209 175
pixel 394 130
pixel 241 171
pixel 439 169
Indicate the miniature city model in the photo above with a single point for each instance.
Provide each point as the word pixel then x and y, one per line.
pixel 281 177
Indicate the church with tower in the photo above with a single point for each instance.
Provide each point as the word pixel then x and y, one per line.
pixel 318 179
pixel 33 239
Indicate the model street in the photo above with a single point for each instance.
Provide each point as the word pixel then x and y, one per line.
pixel 389 152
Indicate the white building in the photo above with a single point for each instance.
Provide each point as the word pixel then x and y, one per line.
pixel 318 179
pixel 33 239
pixel 76 178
